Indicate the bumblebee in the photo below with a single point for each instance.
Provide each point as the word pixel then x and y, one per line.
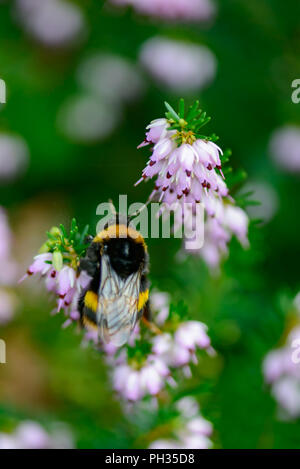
pixel 117 295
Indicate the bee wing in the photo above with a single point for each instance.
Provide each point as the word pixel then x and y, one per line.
pixel 117 304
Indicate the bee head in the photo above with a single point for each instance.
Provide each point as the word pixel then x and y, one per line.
pixel 126 256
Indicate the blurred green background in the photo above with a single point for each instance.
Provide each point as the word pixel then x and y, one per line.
pixel 48 376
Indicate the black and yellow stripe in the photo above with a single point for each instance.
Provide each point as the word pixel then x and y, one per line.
pixel 120 231
pixel 91 301
pixel 88 308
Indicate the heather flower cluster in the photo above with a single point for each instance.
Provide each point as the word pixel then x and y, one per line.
pixel 163 348
pixel 227 221
pixel 188 170
pixel 8 271
pixel 281 368
pixel 158 355
pixel 14 156
pixel 57 264
pixel 31 435
pixel 149 361
pixel 189 428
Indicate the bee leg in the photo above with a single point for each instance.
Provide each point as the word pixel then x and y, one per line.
pixel 147 319
pixel 91 262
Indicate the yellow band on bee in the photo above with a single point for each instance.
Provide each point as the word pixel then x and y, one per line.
pixel 91 300
pixel 120 231
pixel 143 298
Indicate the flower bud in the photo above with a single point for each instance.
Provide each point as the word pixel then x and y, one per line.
pixel 44 248
pixel 55 231
pixel 57 261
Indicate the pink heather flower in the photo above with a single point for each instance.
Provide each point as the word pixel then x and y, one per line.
pixel 13 156
pixel 171 352
pixel 65 284
pixel 160 304
pixel 268 199
pixel 180 356
pixel 180 66
pixel 199 425
pixel 285 148
pixel 93 336
pixel 86 118
pixel 192 334
pixel 236 221
pixel 7 442
pixel 179 350
pixel 32 436
pixel 5 235
pixel 83 280
pixel 173 10
pixel 187 171
pixel 8 271
pixel 286 391
pixel 133 384
pixel 162 344
pixel 8 304
pixel 223 221
pixel 74 316
pixel 192 431
pixel 274 365
pixel 51 280
pixel 104 75
pixel 41 265
pixel 65 281
pixel 164 444
pixel 128 383
pixel 157 129
pixel 152 377
pixel 192 441
pixel 188 407
pixel 52 22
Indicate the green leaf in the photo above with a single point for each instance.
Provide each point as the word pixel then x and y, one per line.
pixel 63 230
pixel 57 260
pixel 181 108
pixel 193 111
pixel 173 113
pixel 84 233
